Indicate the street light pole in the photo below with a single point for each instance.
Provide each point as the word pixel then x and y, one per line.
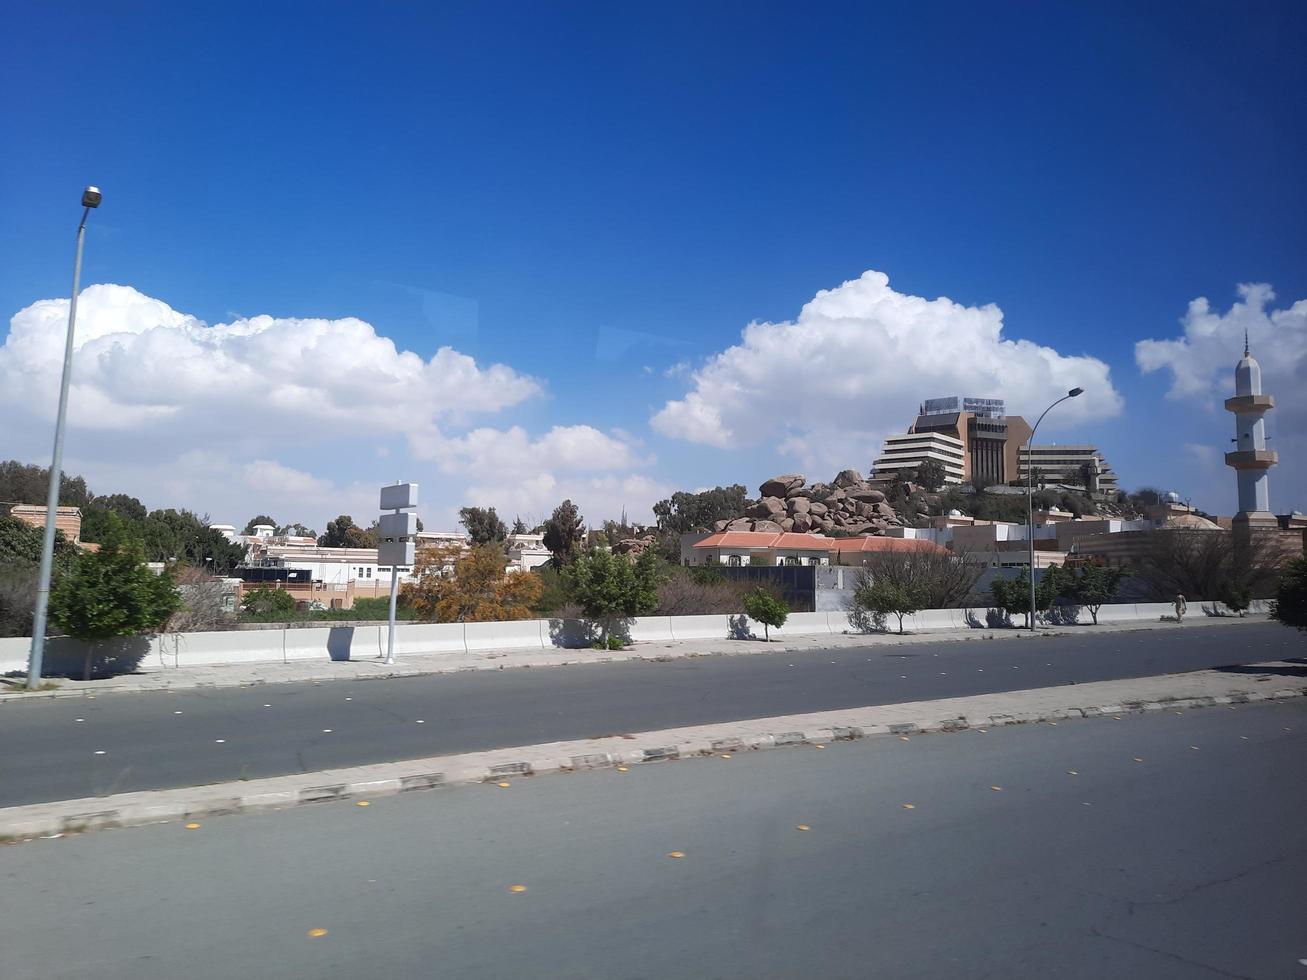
pixel 90 199
pixel 1030 500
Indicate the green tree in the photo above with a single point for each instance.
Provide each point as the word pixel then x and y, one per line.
pixel 1013 595
pixel 1237 596
pixel 270 605
pixel 564 532
pixel 110 593
pixel 483 525
pixel 882 596
pixel 931 474
pixel 519 526
pixel 23 483
pixel 302 531
pixel 611 587
pixel 344 533
pixel 684 512
pixel 254 522
pixel 764 607
pixel 20 562
pixel 1289 607
pixel 1090 586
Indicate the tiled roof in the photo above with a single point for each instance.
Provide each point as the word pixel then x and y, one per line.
pixel 866 544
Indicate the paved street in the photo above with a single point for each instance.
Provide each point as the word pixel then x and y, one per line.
pixel 1161 845
pixel 120 743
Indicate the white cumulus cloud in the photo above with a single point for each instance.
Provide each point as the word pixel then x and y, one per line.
pixel 856 362
pixel 138 362
pixel 186 414
pixel 1201 360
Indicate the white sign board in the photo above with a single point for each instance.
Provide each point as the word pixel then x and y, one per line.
pixel 396 553
pixel 398 526
pixel 399 497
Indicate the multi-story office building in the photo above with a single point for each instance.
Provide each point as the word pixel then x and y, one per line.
pixel 905 453
pixel 994 445
pixel 1080 466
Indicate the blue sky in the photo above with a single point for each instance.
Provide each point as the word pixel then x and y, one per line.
pixel 601 197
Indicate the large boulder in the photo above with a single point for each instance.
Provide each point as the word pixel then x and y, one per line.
pixel 835 496
pixel 787 524
pixel 740 524
pixel 779 486
pixel 858 527
pixel 864 509
pixel 848 478
pixel 799 491
pixel 802 522
pixel 869 494
pixel 817 509
pixel 766 508
pixel 798 505
pixel 720 525
pixel 771 526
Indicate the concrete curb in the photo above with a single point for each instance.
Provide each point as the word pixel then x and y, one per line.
pixel 425 665
pixel 500 766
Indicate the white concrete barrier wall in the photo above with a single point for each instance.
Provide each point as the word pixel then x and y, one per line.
pixel 517 635
pixel 701 627
pixel 14 651
pixel 175 650
pixel 652 629
pixel 429 638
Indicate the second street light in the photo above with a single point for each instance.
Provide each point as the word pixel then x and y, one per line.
pixel 1030 494
pixel 90 199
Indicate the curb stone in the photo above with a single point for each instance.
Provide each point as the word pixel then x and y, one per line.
pixel 284 792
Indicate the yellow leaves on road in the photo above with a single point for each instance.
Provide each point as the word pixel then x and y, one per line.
pixel 517 889
pixel 909 806
pixel 317 933
pixel 676 854
pixel 192 826
pixel 802 826
pixel 362 803
pixel 503 785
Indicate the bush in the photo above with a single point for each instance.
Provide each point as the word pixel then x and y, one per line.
pixel 698 592
pixel 767 608
pixel 611 588
pixel 1289 606
pixel 268 605
pixel 879 597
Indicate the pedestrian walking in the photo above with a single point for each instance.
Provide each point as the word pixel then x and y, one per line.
pixel 1181 607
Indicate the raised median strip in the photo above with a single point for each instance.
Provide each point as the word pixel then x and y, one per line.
pixel 1207 688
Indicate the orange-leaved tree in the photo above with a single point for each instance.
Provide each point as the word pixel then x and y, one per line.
pixel 456 586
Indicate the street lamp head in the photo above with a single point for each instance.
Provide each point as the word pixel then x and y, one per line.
pixel 91 197
pixel 1075 391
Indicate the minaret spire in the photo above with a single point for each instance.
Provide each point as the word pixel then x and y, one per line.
pixel 1245 342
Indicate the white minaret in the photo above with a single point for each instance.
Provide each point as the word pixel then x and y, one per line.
pixel 1251 459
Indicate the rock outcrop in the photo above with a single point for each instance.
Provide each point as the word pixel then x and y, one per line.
pixel 848 504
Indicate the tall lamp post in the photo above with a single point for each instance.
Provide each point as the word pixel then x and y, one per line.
pixel 1030 496
pixel 90 199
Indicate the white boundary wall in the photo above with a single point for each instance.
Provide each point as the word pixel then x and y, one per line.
pixel 176 650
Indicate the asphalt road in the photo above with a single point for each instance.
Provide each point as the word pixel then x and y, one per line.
pixel 70 748
pixel 1167 845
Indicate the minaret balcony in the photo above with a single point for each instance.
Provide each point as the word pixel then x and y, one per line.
pixel 1250 403
pixel 1252 459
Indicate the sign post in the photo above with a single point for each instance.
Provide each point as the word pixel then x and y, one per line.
pixel 396 545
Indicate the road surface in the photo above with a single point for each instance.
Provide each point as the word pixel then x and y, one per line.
pixel 73 748
pixel 1163 845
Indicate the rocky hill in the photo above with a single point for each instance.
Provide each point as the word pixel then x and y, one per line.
pixel 846 505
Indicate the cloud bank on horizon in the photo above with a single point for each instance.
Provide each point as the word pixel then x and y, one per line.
pixel 855 363
pixel 187 406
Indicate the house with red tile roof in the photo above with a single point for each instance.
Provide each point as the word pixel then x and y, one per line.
pixel 790 548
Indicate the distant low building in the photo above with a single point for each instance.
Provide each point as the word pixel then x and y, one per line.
pixel 66 519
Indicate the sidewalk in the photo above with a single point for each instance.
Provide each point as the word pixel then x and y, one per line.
pixel 979 713
pixel 313 671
